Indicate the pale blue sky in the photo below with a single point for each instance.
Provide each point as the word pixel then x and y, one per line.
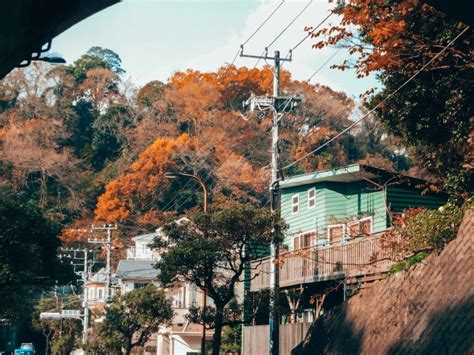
pixel 155 38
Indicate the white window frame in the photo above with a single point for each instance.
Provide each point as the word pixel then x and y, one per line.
pixel 344 232
pixel 302 235
pixel 297 204
pixel 91 293
pixel 100 296
pixel 312 198
pixel 357 222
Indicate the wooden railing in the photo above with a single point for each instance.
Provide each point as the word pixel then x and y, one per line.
pixel 361 256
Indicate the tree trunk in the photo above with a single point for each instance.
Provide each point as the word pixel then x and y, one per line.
pixel 217 338
pixel 128 347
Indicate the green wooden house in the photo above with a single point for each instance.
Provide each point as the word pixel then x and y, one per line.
pixel 332 206
pixel 336 217
pixel 333 244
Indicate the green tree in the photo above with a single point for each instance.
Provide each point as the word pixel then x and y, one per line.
pixel 28 257
pixel 109 137
pixel 96 57
pixel 135 315
pixel 61 335
pixel 212 251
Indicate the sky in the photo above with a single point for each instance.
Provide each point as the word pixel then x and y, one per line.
pixel 156 38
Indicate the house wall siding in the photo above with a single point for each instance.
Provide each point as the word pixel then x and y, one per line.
pixel 401 198
pixel 335 203
pixel 307 219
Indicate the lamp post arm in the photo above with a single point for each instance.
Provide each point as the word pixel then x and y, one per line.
pixel 203 186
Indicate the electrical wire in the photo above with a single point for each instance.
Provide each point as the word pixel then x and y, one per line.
pixel 258 29
pixel 263 23
pixel 289 25
pixel 227 157
pixel 232 63
pixel 235 57
pixel 393 93
pixel 323 65
pixel 284 30
pixel 312 31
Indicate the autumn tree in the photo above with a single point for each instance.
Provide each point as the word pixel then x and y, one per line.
pixel 433 113
pixel 211 251
pixel 139 193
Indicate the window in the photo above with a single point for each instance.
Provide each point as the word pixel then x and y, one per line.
pixel 303 241
pixel 138 285
pixel 100 293
pixel 365 226
pixel 91 293
pixel 295 204
pixel 336 234
pixel 311 197
pixel 361 227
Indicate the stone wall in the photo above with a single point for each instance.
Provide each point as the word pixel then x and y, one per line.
pixel 428 309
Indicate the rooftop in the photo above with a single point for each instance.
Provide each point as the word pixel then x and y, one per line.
pixel 354 172
pixel 136 269
pixel 147 237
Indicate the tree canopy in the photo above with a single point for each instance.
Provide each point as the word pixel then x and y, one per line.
pixel 132 318
pixel 433 113
pixel 28 257
pixel 211 251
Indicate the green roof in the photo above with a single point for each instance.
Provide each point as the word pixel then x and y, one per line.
pixel 343 174
pixel 354 172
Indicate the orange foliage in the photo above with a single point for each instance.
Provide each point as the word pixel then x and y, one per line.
pixel 100 86
pixel 140 186
pixel 76 233
pixel 385 25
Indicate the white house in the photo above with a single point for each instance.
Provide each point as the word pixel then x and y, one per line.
pixel 141 250
pixel 182 336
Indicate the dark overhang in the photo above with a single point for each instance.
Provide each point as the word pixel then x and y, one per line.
pixel 27 26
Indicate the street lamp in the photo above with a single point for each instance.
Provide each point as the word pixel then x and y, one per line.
pixel 173 175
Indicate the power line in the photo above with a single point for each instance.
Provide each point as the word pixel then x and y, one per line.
pixel 314 30
pixel 263 23
pixel 258 29
pixel 235 57
pixel 323 65
pixel 291 22
pixel 169 204
pixel 227 157
pixel 436 56
pixel 284 30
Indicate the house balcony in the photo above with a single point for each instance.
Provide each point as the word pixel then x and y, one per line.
pixel 134 253
pixel 358 257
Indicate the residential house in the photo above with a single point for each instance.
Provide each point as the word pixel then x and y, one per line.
pixel 182 336
pixel 96 290
pixel 332 244
pixel 141 249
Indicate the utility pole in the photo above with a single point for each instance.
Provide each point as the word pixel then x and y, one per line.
pixel 279 105
pixel 108 247
pixel 85 299
pixel 78 260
